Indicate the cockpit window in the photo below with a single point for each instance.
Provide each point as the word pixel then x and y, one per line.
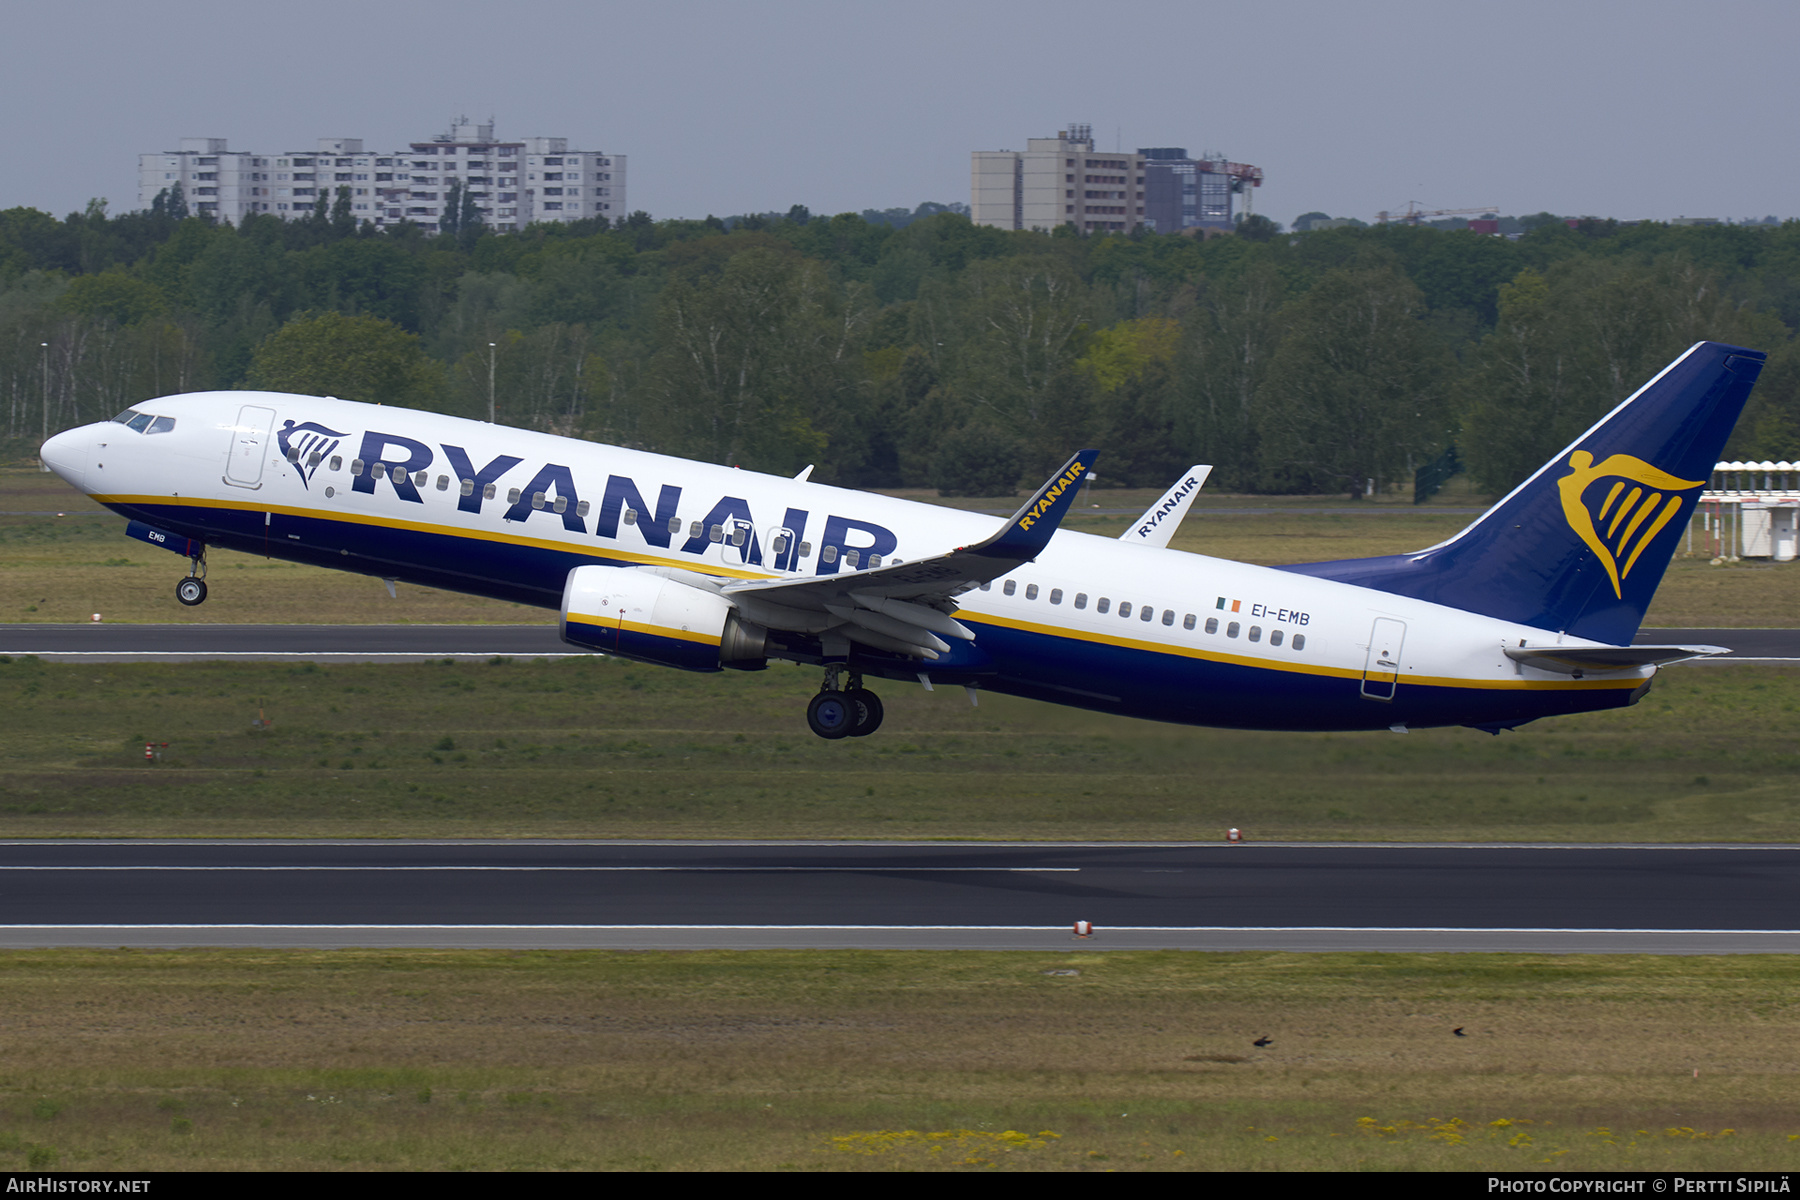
pixel 143 422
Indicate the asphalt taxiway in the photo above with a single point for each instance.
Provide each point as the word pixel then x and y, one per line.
pixel 104 642
pixel 1703 899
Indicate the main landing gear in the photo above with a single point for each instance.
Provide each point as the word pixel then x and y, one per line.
pixel 192 590
pixel 838 712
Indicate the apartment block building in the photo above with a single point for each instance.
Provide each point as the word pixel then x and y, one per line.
pixel 1058 181
pixel 511 183
pixel 215 181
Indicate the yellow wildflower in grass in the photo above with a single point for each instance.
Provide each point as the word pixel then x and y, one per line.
pixel 964 1141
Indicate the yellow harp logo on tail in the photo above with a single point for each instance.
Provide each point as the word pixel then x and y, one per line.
pixel 1619 506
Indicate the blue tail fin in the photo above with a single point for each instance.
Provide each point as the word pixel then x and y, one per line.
pixel 1582 544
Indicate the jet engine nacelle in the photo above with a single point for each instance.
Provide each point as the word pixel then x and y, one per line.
pixel 635 613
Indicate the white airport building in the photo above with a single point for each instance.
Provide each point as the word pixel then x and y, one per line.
pixel 512 183
pixel 1749 510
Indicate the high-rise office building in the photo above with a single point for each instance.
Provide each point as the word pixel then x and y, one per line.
pixel 1064 181
pixel 1058 181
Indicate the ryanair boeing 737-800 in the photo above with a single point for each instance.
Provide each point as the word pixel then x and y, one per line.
pixel 1529 612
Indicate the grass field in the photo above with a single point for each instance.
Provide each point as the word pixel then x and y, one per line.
pixel 223 1060
pixel 61 569
pixel 598 747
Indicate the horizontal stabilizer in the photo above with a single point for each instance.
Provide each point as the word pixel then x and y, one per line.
pixel 1160 520
pixel 1584 660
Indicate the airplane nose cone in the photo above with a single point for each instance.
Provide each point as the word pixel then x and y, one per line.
pixel 67 455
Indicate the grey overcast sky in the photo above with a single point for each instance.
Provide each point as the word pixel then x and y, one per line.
pixel 1646 109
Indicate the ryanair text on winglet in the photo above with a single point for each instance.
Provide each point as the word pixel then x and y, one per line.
pixel 1048 499
pixel 1168 506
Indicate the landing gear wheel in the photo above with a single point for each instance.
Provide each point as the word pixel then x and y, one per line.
pixel 868 711
pixel 191 591
pixel 831 715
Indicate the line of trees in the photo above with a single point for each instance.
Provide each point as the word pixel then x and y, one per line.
pixel 923 351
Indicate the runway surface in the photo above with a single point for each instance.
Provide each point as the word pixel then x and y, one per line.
pixel 742 895
pixel 408 643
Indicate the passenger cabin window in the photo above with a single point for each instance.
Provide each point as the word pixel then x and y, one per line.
pixel 1231 630
pixel 293 454
pixel 419 480
pixel 829 554
pixel 1168 616
pixel 874 561
pixel 716 534
pixel 1212 624
pixel 696 528
pixel 1124 608
pixel 1274 637
pixel 1299 641
pixel 1148 612
pixel 356 466
pixel 487 493
pixel 851 558
pixel 378 470
pixel 1031 591
pixel 1102 604
pixel 443 483
pixel 1256 633
pixel 805 549
pixel 1187 622
pixel 987 587
pixel 674 524
pixel 312 460
pixel 581 510
pixel 1080 599
pixel 1011 587
pixel 512 496
pixel 562 504
pixel 630 515
pixel 1056 595
pixel 337 462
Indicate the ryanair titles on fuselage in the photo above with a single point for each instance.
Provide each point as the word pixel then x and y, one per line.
pixel 400 459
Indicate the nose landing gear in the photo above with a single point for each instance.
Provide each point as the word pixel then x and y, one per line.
pixel 192 590
pixel 843 712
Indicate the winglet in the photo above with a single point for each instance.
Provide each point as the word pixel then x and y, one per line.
pixel 1157 525
pixel 1029 530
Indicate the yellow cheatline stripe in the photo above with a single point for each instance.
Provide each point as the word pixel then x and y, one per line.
pixel 966 614
pixel 613 623
pixel 973 618
pixel 442 530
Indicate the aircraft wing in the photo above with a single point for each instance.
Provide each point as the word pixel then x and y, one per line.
pixel 904 607
pixel 1160 520
pixel 1581 660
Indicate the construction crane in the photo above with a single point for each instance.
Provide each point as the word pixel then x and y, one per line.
pixel 1242 176
pixel 1414 214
